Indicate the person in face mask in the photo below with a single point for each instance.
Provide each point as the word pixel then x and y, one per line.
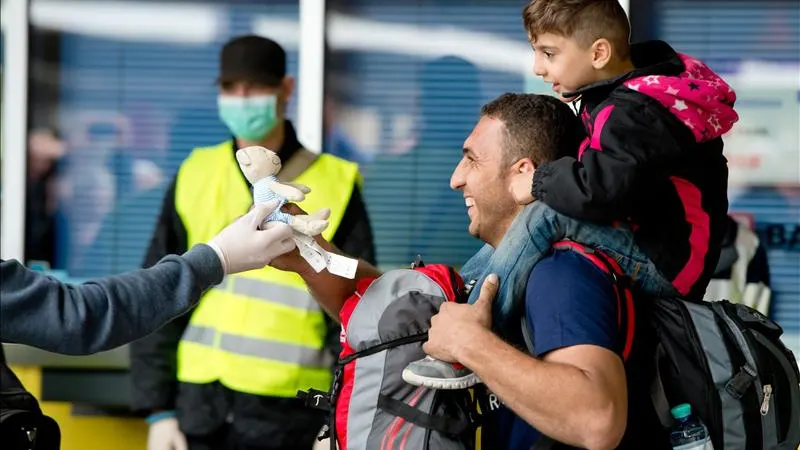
pixel 226 376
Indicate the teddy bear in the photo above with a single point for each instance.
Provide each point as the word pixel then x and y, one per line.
pixel 260 166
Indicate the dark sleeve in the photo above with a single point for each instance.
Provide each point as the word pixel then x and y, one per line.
pixel 154 362
pixel 354 235
pixel 43 312
pixel 633 140
pixel 570 302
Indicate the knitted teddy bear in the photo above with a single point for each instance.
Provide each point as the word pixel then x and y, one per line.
pixel 260 167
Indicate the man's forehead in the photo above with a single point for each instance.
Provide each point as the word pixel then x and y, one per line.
pixel 485 135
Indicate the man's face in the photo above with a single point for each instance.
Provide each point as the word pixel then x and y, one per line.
pixel 563 63
pixel 483 179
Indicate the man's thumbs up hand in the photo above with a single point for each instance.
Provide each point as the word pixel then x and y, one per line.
pixel 483 306
pixel 457 325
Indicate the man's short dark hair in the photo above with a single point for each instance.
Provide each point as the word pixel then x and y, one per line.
pixel 539 127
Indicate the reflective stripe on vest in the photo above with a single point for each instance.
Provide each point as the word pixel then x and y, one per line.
pixel 258 332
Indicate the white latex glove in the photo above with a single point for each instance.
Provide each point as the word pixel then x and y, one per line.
pixel 242 246
pixel 165 435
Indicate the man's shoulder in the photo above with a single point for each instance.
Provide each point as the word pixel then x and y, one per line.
pixel 570 301
pixel 560 269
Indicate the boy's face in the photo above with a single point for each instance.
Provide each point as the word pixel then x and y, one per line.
pixel 563 62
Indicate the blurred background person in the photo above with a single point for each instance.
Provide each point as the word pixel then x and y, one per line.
pixel 742 273
pixel 226 376
pixel 45 150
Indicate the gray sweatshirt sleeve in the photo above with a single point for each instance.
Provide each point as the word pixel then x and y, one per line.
pixel 40 311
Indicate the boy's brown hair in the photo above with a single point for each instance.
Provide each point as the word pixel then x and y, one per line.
pixel 583 20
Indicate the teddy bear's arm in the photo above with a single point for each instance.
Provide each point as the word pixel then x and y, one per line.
pixel 288 192
pixel 305 189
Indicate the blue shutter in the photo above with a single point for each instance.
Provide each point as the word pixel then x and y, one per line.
pixel 411 113
pixel 166 92
pixel 723 33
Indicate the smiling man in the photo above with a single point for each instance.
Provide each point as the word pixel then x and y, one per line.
pixel 575 387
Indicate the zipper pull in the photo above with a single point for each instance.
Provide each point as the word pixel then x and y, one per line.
pixel 765 402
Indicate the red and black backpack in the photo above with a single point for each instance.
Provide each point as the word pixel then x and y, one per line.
pixel 384 324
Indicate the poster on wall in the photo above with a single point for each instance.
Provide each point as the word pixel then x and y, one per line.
pixel 763 148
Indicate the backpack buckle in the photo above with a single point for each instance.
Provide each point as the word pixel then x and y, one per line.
pixel 315 399
pixel 740 383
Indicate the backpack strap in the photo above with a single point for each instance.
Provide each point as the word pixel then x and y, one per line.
pixel 297 164
pixel 626 318
pixel 444 425
pixel 626 314
pixel 657 393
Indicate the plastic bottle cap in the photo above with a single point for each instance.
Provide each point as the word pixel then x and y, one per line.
pixel 681 411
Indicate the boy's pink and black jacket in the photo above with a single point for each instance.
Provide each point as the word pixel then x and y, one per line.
pixel 653 156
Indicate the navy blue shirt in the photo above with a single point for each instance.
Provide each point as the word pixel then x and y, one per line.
pixel 570 301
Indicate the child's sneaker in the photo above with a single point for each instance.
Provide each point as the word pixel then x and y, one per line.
pixel 435 374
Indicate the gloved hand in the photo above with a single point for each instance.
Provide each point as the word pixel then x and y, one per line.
pixel 165 435
pixel 242 246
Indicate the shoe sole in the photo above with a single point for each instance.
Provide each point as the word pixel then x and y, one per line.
pixel 440 383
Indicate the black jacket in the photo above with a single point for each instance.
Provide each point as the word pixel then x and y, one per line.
pixel 653 156
pixel 203 408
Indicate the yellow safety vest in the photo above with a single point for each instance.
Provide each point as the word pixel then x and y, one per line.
pixel 259 332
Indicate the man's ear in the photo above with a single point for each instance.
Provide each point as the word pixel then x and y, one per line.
pixel 601 53
pixel 524 165
pixel 287 87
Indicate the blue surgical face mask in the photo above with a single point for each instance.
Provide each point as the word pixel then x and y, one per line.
pixel 249 118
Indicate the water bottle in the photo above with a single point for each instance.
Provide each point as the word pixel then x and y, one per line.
pixel 689 433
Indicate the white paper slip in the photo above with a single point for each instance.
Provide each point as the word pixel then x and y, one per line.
pixel 320 259
pixel 341 265
pixel 309 251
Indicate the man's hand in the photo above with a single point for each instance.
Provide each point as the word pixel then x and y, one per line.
pixel 458 325
pixel 243 246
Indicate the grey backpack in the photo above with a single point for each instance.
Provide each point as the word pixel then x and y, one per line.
pixel 384 325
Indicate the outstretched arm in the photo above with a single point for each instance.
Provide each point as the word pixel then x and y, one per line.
pixel 41 311
pixel 38 310
pixel 329 290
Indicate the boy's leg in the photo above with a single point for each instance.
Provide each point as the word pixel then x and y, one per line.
pixel 619 243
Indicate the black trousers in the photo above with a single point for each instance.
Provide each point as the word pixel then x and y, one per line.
pixel 226 439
